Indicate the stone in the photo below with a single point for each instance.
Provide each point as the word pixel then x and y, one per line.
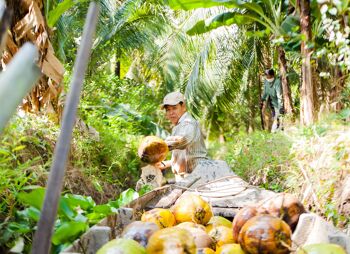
pixel 312 229
pixel 91 241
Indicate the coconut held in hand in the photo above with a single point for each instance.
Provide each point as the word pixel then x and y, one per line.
pixel 152 150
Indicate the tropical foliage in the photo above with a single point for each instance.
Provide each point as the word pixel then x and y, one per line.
pixel 215 52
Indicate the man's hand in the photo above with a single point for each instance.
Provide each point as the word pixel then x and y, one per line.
pixel 172 141
pixel 162 165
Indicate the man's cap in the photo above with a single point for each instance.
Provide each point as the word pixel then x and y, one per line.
pixel 172 99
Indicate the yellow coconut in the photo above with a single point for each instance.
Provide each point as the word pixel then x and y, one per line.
pixel 218 221
pixel 221 235
pixel 205 251
pixel 189 224
pixel 122 246
pixel 192 208
pixel 162 217
pixel 232 248
pixel 171 241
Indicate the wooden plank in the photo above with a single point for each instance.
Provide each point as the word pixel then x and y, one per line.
pixel 141 202
pixel 250 196
pixel 168 199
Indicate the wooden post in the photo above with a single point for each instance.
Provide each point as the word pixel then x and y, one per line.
pixel 42 238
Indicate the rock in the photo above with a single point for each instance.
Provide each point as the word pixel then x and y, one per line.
pixel 101 233
pixel 91 241
pixel 312 229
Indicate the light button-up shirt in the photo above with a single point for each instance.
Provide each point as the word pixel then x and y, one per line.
pixel 187 145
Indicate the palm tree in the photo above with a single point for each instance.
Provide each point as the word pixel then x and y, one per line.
pixel 308 90
pixel 270 18
pixel 217 71
pixel 28 24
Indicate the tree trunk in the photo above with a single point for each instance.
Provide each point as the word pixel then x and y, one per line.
pixel 338 87
pixel 287 95
pixel 307 98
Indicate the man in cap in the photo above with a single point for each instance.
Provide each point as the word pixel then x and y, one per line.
pixel 272 94
pixel 186 141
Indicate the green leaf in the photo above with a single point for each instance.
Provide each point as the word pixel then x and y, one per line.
pixel 95 217
pixel 34 198
pixel 125 198
pixel 61 8
pixel 4 152
pixel 32 213
pixel 65 209
pixel 84 203
pixel 105 209
pixel 19 227
pixel 194 4
pixel 223 19
pixel 258 33
pixel 18 148
pixel 252 7
pixel 144 189
pixel 68 232
pixel 290 24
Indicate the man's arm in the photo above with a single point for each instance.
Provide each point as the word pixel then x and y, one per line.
pixel 184 136
pixel 279 93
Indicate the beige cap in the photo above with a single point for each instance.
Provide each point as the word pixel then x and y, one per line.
pixel 173 98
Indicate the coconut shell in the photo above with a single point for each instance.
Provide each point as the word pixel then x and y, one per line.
pixel 265 234
pixel 140 231
pixel 240 219
pixel 162 217
pixel 284 206
pixel 193 208
pixel 221 235
pixel 152 150
pixel 170 241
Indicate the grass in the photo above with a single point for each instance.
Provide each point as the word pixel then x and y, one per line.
pixel 310 162
pixel 98 168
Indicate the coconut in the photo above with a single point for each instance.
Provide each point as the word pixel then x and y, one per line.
pixel 162 217
pixel 284 206
pixel 232 248
pixel 171 241
pixel 265 234
pixel 122 246
pixel 152 150
pixel 218 221
pixel 240 219
pixel 221 235
pixel 192 208
pixel 140 231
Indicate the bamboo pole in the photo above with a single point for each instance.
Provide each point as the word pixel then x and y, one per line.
pixel 17 80
pixel 42 238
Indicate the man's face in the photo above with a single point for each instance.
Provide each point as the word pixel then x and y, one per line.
pixel 269 76
pixel 174 112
